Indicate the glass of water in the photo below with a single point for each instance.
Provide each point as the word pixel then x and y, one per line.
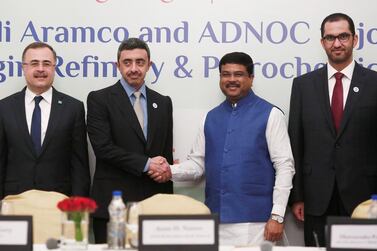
pixel 132 223
pixel 6 207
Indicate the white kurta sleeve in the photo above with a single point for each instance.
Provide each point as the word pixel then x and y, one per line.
pixel 281 156
pixel 193 167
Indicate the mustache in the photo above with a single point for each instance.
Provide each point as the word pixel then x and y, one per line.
pixel 38 75
pixel 338 49
pixel 232 85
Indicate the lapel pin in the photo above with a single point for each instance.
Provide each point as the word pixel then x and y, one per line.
pixel 60 102
pixel 154 105
pixel 356 89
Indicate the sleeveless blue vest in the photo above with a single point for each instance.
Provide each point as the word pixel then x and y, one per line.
pixel 239 173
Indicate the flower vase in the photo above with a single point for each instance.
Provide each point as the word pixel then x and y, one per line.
pixel 75 229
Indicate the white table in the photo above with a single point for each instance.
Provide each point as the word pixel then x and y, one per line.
pixel 42 247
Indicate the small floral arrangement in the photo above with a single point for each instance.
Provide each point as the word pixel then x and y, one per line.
pixel 77 204
pixel 76 207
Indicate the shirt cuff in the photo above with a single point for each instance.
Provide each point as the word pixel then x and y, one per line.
pixel 146 167
pixel 279 210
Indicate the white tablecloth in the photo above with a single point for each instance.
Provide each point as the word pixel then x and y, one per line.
pixel 42 247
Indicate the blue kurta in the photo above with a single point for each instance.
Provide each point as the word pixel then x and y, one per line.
pixel 239 173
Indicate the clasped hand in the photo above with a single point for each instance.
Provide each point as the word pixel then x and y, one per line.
pixel 159 169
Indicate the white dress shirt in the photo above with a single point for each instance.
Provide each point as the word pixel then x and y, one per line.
pixel 45 106
pixel 346 80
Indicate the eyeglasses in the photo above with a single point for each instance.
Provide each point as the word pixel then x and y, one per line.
pixel 36 64
pixel 237 74
pixel 342 37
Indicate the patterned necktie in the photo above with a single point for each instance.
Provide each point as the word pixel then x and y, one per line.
pixel 337 101
pixel 36 125
pixel 138 109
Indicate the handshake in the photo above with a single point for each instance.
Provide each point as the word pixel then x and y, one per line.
pixel 159 169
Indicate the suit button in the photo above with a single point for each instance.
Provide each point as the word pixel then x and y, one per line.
pixel 337 145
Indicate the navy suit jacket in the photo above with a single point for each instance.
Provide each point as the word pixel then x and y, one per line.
pixel 120 146
pixel 324 158
pixel 62 165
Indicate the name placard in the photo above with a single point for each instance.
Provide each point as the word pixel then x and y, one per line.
pixel 178 232
pixel 346 234
pixel 16 233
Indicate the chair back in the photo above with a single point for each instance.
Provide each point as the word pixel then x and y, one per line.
pixel 361 211
pixel 172 204
pixel 42 205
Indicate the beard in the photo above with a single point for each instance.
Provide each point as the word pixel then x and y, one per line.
pixel 340 56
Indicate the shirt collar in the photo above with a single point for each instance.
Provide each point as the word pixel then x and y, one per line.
pixel 29 95
pixel 130 90
pixel 348 71
pixel 244 100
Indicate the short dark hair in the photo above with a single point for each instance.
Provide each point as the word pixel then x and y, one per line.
pixel 337 17
pixel 133 43
pixel 36 45
pixel 238 58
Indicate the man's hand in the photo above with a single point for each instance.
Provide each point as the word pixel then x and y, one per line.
pixel 159 169
pixel 298 210
pixel 273 231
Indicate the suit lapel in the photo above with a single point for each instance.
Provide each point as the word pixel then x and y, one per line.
pixel 152 108
pixel 124 104
pixel 322 87
pixel 20 116
pixel 56 112
pixel 353 96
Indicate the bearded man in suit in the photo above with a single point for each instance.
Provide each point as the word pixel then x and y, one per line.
pixel 130 127
pixel 332 127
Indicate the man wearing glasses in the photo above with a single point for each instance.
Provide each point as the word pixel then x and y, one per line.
pixel 43 141
pixel 243 148
pixel 332 126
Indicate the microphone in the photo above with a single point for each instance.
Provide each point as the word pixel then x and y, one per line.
pixel 52 243
pixel 266 246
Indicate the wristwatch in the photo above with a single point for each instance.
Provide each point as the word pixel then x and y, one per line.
pixel 278 218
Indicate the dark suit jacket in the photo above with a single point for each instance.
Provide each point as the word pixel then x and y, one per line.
pixel 323 157
pixel 62 165
pixel 120 146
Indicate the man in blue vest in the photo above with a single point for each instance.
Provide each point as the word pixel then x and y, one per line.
pixel 244 149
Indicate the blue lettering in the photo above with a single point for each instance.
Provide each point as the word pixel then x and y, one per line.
pixel 211 34
pixel 72 66
pixel 210 63
pixel 284 32
pixel 30 32
pixel 293 33
pixel 258 36
pixel 283 70
pixel 63 36
pixel 225 32
pixel 181 33
pixel 120 34
pixel 369 36
pixel 100 35
pixel 273 71
pixel 361 36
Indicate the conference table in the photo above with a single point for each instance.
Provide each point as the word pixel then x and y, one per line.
pixel 97 247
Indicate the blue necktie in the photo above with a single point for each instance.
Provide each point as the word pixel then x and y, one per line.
pixel 36 125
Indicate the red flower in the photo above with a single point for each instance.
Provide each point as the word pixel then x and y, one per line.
pixel 75 203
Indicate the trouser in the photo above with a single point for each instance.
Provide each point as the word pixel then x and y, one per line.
pixel 314 226
pixel 100 230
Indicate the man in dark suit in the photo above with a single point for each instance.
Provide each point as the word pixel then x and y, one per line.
pixel 130 128
pixel 43 141
pixel 332 126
